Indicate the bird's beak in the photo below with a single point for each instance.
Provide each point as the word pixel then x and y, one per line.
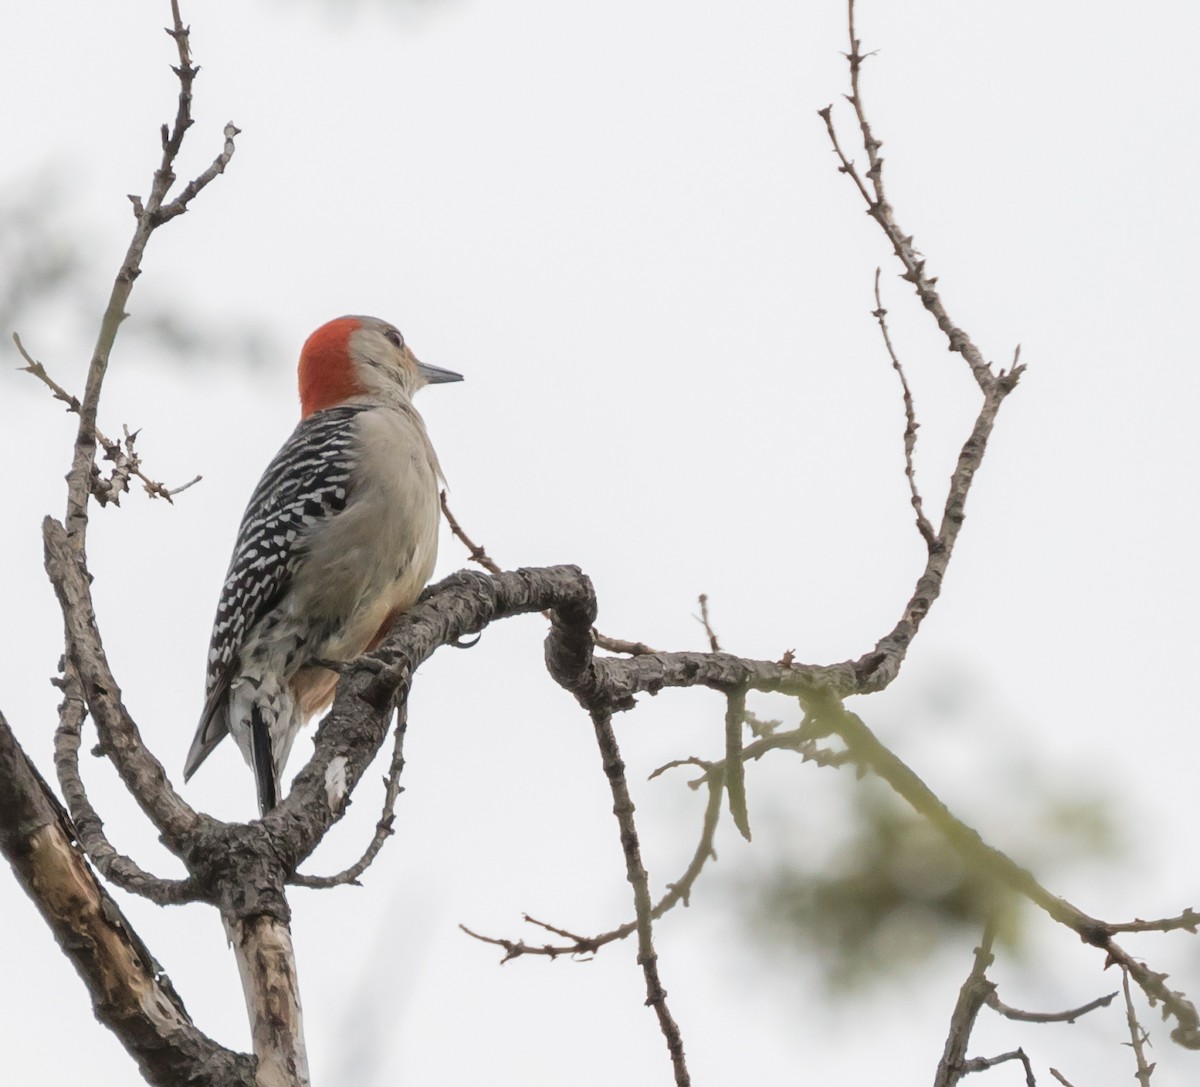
pixel 435 375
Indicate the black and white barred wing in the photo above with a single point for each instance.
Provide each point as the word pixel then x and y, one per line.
pixel 306 483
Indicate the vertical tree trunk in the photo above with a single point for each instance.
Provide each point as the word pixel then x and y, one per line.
pixel 266 962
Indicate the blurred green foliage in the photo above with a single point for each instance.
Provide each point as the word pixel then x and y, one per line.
pixel 891 892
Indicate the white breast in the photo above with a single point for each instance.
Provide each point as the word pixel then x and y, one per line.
pixel 374 557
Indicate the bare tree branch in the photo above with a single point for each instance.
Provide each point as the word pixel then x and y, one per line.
pixel 1188 921
pixel 150 214
pixel 735 766
pixel 971 998
pixel 677 892
pixel 479 555
pixel 266 961
pixel 476 553
pixel 1138 1038
pixel 243 870
pixel 384 829
pixel 127 461
pixel 869 752
pixel 881 211
pixel 875 670
pixel 656 995
pixel 712 778
pixel 982 1064
pixel 1069 1016
pixel 910 427
pixel 513 949
pixel 122 870
pixel 709 633
pixel 130 993
pixel 119 736
pixel 461 606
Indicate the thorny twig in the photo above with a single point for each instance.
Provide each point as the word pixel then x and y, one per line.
pixel 1188 921
pixel 677 892
pixel 879 667
pixel 149 214
pixel 606 690
pixel 1138 1038
pixel 796 739
pixel 65 543
pixel 971 998
pixel 127 461
pixel 514 949
pixel 712 778
pixel 477 554
pixel 883 213
pixel 656 995
pixel 978 991
pixel 910 429
pixel 384 828
pixel 570 660
pixel 1069 1016
pixel 874 671
pixel 130 993
pixel 982 1064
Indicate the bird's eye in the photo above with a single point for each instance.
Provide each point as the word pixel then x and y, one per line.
pixel 394 338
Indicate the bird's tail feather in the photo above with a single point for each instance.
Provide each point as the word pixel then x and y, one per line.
pixel 213 727
pixel 264 761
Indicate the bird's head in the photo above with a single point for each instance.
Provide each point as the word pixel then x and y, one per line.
pixel 360 356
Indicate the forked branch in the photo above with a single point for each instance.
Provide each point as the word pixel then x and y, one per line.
pixel 910 424
pixel 868 752
pixel 149 215
pixel 127 462
pixel 130 992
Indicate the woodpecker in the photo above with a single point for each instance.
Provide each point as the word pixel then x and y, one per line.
pixel 340 536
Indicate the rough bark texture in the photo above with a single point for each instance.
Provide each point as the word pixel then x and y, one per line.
pixel 130 993
pixel 267 964
pixel 243 870
pixel 119 736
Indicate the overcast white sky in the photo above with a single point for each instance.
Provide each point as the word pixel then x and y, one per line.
pixel 623 224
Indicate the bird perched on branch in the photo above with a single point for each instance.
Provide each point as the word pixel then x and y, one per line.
pixel 340 536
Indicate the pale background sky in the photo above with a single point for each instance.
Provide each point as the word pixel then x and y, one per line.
pixel 623 223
